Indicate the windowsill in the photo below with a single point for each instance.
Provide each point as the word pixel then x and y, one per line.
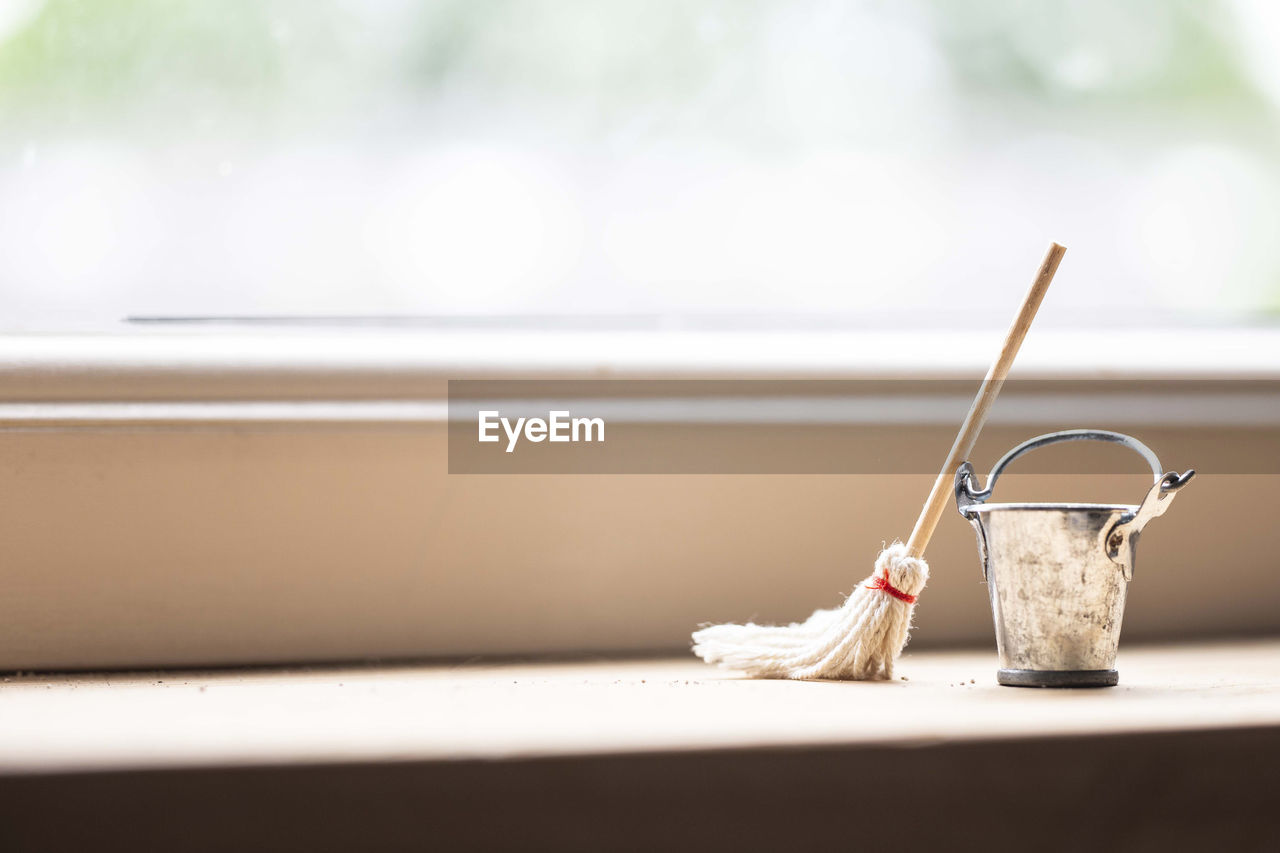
pixel 358 363
pixel 644 755
pixel 129 721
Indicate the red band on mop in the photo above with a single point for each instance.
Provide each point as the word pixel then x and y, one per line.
pixel 882 582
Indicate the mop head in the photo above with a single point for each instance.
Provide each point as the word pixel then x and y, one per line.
pixel 858 641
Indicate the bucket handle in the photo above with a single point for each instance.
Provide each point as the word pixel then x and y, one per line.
pixel 1119 540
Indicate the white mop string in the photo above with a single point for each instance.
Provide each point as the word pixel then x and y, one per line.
pixel 859 640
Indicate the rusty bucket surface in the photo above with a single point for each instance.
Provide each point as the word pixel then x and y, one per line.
pixel 1057 572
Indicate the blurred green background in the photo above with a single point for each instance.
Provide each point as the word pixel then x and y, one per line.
pixel 860 162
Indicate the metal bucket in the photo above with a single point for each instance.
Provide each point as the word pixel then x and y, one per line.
pixel 1057 572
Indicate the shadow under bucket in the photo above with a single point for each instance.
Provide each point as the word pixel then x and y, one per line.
pixel 1057 573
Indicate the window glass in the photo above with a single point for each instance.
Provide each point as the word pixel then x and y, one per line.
pixel 868 162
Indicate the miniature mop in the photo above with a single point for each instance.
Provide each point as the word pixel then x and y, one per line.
pixel 862 639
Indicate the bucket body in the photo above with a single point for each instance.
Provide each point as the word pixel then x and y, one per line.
pixel 1057 573
pixel 1057 599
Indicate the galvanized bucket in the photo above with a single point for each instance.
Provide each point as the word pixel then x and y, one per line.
pixel 1057 572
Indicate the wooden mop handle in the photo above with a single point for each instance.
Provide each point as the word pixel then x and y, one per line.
pixel 991 384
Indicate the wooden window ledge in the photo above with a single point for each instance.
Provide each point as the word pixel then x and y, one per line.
pixel 643 752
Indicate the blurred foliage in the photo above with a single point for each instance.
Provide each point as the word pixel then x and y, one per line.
pixel 609 54
pixel 1144 51
pixel 76 55
pixel 79 57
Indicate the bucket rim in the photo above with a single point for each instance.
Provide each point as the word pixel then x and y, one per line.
pixel 1056 506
